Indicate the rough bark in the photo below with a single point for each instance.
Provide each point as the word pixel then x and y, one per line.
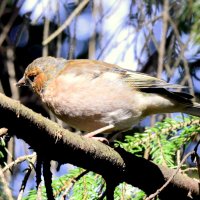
pixel 115 165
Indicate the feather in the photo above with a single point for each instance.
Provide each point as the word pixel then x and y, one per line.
pixel 140 80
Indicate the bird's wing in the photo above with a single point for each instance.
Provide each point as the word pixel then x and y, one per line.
pixel 149 84
pixel 134 79
pixel 140 80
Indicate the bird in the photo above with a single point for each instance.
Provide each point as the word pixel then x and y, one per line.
pixel 98 97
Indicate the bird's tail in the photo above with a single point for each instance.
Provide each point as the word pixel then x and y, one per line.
pixel 194 109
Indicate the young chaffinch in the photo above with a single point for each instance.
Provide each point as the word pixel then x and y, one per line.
pixel 93 95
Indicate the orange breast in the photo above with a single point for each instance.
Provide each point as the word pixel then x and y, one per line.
pixel 39 82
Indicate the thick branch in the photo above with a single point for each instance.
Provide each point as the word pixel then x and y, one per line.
pixel 55 143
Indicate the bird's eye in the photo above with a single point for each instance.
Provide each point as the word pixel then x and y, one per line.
pixel 31 77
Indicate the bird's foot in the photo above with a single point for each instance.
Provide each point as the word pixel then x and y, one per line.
pixel 100 139
pixel 100 130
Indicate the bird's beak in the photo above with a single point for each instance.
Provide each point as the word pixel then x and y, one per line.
pixel 21 82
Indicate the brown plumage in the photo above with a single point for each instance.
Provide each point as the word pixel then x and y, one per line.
pixel 89 94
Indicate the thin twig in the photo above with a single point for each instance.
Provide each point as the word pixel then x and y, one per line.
pixel 71 184
pixel 67 22
pixel 11 72
pixel 72 41
pixel 10 157
pixel 3 6
pixel 92 41
pixel 8 26
pixel 15 95
pixel 170 179
pixel 108 43
pixel 17 161
pixel 181 56
pixel 101 192
pixel 59 39
pixel 163 39
pixel 24 182
pixel 45 36
pixel 4 186
pixel 189 169
pixel 38 177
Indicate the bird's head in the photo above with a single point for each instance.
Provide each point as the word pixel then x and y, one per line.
pixel 40 71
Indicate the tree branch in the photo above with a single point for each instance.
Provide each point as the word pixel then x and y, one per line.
pixel 55 143
pixel 67 22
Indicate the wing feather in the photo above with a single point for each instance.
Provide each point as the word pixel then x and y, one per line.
pixel 140 80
